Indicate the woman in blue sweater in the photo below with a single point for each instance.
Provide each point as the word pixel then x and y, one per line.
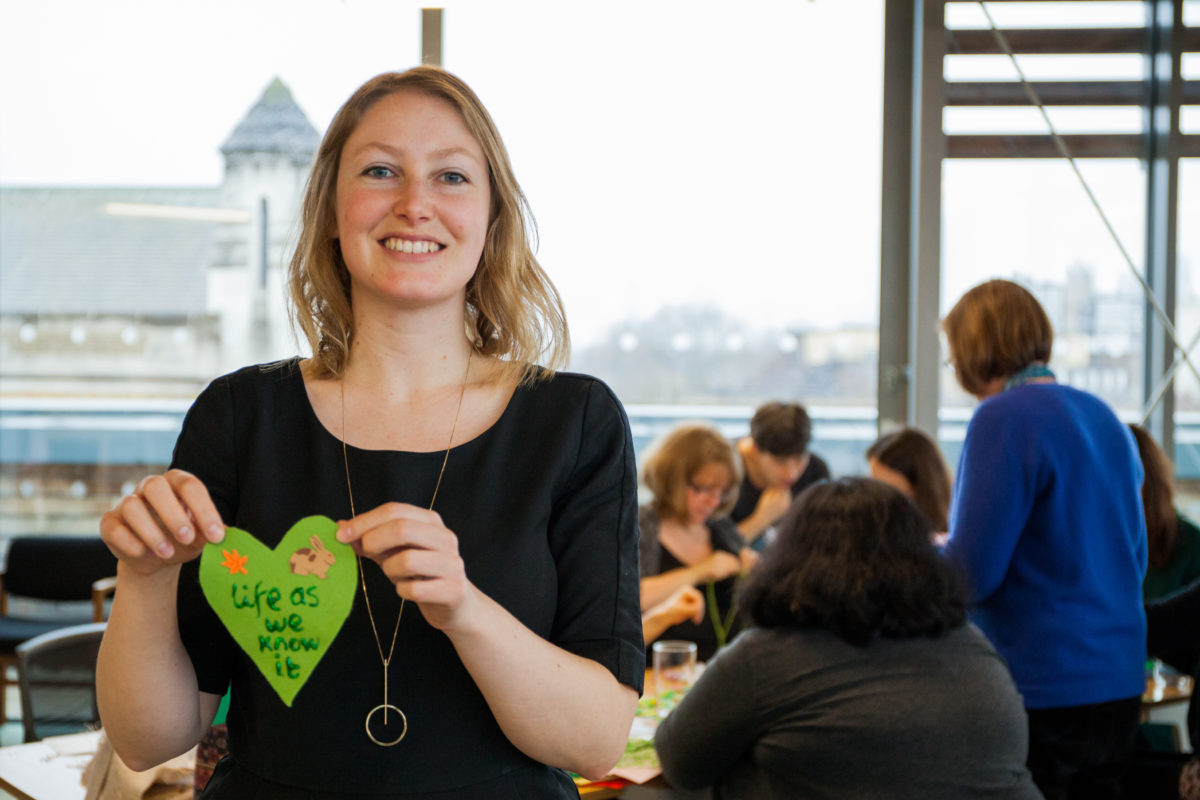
pixel 1046 521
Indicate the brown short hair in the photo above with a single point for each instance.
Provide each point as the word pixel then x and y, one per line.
pixel 1158 498
pixel 781 429
pixel 512 311
pixel 995 330
pixel 916 456
pixel 677 457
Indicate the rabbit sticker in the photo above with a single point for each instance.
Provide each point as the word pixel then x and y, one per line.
pixel 315 560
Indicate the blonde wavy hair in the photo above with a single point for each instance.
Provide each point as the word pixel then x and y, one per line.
pixel 513 311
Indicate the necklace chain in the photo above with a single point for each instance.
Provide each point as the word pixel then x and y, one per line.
pixel 387 660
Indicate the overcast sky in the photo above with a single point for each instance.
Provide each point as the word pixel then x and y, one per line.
pixel 673 150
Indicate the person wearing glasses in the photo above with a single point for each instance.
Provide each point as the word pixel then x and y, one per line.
pixel 686 539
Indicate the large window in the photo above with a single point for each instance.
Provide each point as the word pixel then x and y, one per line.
pixel 1027 85
pixel 705 178
pixel 1031 221
pixel 1187 387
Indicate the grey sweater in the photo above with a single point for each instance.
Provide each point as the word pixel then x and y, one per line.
pixel 801 713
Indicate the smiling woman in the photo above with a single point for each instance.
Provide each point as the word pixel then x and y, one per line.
pixel 176 269
pixel 416 157
pixel 425 310
pixel 412 203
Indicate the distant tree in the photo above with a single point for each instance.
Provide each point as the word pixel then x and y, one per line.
pixel 688 354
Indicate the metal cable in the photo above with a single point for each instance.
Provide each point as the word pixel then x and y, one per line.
pixel 1061 145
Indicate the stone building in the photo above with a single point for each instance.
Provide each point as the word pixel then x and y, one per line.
pixel 118 304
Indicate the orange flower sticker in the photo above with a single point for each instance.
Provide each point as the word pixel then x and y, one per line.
pixel 234 563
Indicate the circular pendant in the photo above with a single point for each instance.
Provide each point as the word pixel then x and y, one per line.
pixel 403 721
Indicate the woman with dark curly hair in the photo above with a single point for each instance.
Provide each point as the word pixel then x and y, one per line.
pixel 861 676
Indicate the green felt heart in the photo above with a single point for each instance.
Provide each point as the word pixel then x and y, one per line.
pixel 283 606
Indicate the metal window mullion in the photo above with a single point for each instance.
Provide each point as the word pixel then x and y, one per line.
pixel 431 36
pixel 896 215
pixel 1165 87
pixel 929 147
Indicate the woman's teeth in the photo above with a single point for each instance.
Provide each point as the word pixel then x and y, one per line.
pixel 409 246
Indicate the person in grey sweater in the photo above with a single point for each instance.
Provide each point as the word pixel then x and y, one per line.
pixel 860 677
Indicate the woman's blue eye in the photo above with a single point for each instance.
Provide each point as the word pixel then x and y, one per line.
pixel 377 172
pixel 454 177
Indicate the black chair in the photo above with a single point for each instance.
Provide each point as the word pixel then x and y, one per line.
pixel 58 681
pixel 63 573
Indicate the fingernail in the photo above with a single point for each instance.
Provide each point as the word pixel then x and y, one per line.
pixel 343 534
pixel 216 532
pixel 164 549
pixel 185 534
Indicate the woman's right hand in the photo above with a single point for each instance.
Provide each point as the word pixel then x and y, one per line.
pixel 719 565
pixel 166 520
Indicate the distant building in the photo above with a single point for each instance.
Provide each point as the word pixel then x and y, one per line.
pixel 118 304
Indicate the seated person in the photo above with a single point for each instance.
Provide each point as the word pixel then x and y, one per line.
pixel 686 540
pixel 1173 636
pixel 685 603
pixel 1174 541
pixel 776 466
pixel 909 459
pixel 860 677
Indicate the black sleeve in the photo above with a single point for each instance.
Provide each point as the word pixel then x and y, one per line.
pixel 205 448
pixel 725 535
pixel 1171 629
pixel 820 469
pixel 594 535
pixel 649 553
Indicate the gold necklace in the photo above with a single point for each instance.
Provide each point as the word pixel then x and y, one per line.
pixel 385 706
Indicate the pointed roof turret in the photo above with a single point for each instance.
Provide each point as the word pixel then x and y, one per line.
pixel 275 124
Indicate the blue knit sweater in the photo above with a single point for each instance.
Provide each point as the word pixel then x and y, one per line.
pixel 1047 523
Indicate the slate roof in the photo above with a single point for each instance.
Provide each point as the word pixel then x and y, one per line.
pixel 62 253
pixel 275 124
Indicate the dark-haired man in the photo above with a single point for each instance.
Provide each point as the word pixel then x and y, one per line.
pixel 776 466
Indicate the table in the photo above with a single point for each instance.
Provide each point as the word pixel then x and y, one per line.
pixel 51 769
pixel 1165 702
pixel 656 788
pixel 1164 692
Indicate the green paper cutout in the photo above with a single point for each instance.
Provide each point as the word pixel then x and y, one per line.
pixel 284 607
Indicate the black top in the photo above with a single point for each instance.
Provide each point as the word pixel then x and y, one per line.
pixel 748 494
pixel 656 559
pixel 802 713
pixel 544 507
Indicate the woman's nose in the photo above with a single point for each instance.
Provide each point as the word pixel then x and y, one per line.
pixel 412 203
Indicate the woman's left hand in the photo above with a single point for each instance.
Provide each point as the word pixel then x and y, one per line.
pixel 418 553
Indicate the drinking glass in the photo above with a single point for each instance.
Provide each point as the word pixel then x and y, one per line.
pixel 674 671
